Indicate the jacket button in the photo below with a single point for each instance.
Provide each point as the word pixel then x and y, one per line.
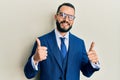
pixel 60 78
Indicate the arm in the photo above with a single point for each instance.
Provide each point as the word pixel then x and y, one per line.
pixel 39 53
pixel 88 66
pixel 88 69
pixel 29 71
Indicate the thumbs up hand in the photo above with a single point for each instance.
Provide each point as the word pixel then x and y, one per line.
pixel 92 54
pixel 41 52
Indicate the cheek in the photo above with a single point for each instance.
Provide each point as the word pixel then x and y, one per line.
pixel 71 23
pixel 58 19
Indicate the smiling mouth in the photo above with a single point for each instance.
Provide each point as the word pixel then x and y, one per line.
pixel 65 24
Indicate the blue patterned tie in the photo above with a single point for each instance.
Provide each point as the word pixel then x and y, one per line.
pixel 63 47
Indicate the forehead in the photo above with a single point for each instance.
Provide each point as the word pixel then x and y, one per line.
pixel 67 10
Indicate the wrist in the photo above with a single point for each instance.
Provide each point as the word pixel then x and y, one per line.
pixel 35 60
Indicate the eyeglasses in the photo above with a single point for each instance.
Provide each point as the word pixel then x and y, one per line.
pixel 64 15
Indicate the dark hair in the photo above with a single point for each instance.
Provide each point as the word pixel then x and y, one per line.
pixel 65 4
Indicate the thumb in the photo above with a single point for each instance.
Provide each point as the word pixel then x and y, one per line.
pixel 92 46
pixel 38 42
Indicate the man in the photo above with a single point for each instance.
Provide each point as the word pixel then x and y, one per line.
pixel 59 55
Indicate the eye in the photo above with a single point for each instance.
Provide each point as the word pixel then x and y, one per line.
pixel 62 14
pixel 71 17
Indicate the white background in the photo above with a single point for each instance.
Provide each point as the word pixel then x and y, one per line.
pixel 21 21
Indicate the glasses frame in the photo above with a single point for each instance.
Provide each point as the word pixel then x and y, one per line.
pixel 64 15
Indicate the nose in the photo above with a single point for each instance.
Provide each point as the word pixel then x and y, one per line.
pixel 66 18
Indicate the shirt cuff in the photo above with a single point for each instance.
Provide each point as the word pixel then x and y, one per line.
pixel 95 65
pixel 35 66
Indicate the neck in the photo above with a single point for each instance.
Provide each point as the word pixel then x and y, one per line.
pixel 62 33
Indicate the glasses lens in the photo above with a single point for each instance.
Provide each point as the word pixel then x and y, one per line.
pixel 71 17
pixel 64 15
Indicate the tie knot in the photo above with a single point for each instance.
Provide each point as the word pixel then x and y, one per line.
pixel 62 39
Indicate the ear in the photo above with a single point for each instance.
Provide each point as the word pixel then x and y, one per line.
pixel 55 17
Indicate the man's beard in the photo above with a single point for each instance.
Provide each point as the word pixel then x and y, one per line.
pixel 62 29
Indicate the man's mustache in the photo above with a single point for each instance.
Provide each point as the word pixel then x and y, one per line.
pixel 65 22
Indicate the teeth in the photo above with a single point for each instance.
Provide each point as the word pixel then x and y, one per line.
pixel 65 24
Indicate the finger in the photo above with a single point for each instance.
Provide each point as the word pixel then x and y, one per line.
pixel 92 52
pixel 92 56
pixel 92 46
pixel 43 48
pixel 38 42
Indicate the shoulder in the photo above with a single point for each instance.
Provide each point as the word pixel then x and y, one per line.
pixel 75 38
pixel 77 41
pixel 47 35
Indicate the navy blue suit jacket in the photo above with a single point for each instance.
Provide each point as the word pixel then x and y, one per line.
pixel 51 68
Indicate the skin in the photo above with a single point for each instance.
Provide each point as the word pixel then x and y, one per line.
pixel 67 10
pixel 41 51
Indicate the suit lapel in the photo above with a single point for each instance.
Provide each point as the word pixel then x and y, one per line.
pixel 54 49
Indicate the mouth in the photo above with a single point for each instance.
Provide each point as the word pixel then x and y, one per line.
pixel 65 24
